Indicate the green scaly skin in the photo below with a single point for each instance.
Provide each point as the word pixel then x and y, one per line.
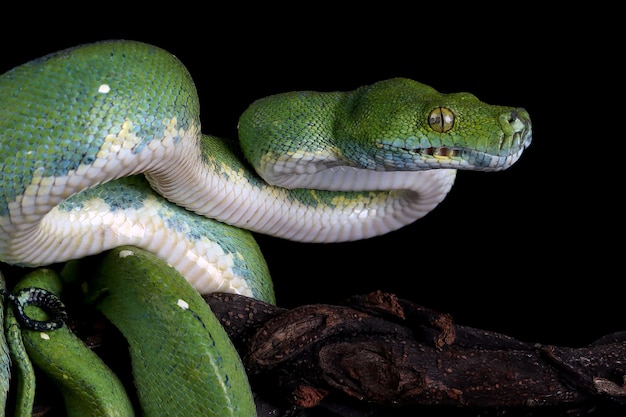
pixel 24 373
pixel 382 126
pixel 15 366
pixel 111 109
pixel 88 386
pixel 182 359
pixel 180 354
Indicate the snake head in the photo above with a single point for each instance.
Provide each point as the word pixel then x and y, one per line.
pixel 403 125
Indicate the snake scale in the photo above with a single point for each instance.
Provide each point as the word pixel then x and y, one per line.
pixel 103 152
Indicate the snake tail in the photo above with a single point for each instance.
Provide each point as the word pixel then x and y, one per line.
pixel 88 386
pixel 183 362
pixel 41 298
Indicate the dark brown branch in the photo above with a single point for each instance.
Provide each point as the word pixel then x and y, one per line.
pixel 383 351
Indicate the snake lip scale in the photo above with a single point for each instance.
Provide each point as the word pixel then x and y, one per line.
pixel 79 125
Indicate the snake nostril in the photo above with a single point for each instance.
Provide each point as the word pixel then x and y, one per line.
pixel 516 121
pixel 516 128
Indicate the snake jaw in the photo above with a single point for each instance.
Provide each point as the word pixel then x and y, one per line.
pixel 439 153
pixel 433 157
pixel 516 136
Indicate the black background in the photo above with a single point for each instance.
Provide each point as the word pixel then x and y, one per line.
pixel 534 252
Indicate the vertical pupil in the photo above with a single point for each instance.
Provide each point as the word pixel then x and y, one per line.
pixel 441 119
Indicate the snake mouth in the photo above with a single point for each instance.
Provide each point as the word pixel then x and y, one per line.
pixel 438 156
pixel 433 157
pixel 509 150
pixel 438 152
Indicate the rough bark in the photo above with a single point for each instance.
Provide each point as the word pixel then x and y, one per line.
pixel 378 353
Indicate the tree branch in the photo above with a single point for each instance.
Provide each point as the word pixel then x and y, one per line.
pixel 387 353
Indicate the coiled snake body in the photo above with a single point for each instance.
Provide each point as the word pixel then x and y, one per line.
pixel 101 147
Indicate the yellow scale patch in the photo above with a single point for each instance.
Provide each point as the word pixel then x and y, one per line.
pixel 95 226
pixel 113 144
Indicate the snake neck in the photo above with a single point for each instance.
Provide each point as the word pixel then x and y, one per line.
pixel 219 184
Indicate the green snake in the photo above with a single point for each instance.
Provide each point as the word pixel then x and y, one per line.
pixel 102 147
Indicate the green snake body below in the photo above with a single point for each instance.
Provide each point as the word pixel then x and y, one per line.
pixel 101 147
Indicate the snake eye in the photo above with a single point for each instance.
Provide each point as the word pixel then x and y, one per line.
pixel 441 119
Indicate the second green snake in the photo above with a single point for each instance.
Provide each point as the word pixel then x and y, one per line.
pixel 101 146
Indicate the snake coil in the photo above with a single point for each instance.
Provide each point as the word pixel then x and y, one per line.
pixel 102 152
